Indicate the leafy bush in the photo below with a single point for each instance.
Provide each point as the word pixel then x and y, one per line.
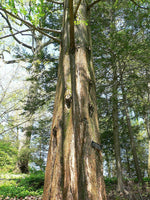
pixel 146 179
pixel 8 156
pixel 34 181
pixel 110 181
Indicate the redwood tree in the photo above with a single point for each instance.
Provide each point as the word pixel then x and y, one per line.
pixel 74 167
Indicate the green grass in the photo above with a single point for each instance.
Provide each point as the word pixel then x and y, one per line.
pixel 22 186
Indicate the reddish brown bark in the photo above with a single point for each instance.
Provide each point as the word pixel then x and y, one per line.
pixel 74 168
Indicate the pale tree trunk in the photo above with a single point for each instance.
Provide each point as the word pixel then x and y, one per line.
pixel 24 148
pixel 74 168
pixel 120 186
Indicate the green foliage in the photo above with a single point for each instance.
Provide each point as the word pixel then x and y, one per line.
pixel 30 185
pixel 121 42
pixel 8 156
pixel 110 181
pixel 34 181
pixel 78 22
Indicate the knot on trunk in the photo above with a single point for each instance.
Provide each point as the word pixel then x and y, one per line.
pixel 91 109
pixel 54 138
pixel 96 146
pixel 90 84
pixel 54 131
pixel 68 101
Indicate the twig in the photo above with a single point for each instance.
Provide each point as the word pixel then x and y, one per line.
pixel 92 4
pixel 30 25
pixel 50 30
pixel 57 2
pixel 76 10
pixel 138 5
pixel 10 27
pixel 14 34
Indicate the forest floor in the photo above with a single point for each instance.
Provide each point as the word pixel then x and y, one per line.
pixel 132 192
pixel 30 187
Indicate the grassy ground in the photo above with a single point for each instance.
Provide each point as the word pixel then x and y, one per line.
pixel 27 187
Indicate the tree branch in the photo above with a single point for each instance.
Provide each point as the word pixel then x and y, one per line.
pixel 138 5
pixel 30 25
pixel 49 30
pixel 16 61
pixel 76 10
pixel 14 127
pixel 92 4
pixel 45 44
pixel 14 33
pixel 10 27
pixel 57 2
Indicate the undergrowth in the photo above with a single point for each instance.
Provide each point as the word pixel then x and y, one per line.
pixel 21 187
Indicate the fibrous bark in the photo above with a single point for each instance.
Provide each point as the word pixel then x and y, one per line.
pixel 74 168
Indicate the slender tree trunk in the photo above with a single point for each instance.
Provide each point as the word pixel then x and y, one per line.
pixel 108 165
pixel 120 187
pixel 128 163
pixel 130 132
pixel 24 148
pixel 74 168
pixel 148 128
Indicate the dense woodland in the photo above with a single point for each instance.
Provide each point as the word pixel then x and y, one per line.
pixel 48 91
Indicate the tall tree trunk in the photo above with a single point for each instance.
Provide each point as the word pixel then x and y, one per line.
pixel 130 132
pixel 24 148
pixel 74 168
pixel 120 187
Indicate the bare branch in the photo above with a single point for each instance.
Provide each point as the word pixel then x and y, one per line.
pixel 14 33
pixel 31 25
pixel 14 126
pixel 50 30
pixel 92 4
pixel 139 5
pixel 10 27
pixel 56 2
pixel 50 36
pixel 17 61
pixel 45 44
pixel 7 87
pixel 76 10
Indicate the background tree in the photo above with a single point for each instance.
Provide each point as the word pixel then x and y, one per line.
pixel 120 38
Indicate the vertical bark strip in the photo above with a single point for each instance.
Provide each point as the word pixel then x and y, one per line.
pixel 74 168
